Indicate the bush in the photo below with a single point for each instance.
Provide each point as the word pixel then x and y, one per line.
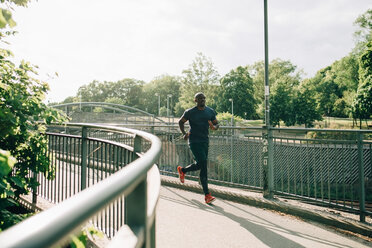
pixel 225 119
pixel 23 120
pixel 332 135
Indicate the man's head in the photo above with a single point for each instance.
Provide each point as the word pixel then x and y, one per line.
pixel 199 98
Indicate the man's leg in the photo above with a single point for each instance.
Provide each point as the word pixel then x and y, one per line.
pixel 198 154
pixel 204 176
pixel 191 167
pixel 204 167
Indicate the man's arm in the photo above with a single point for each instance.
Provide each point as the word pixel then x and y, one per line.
pixel 181 124
pixel 213 124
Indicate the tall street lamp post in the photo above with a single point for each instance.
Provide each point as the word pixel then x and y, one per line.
pixel 158 95
pixel 268 180
pixel 267 87
pixel 232 111
pixel 168 96
pixel 232 140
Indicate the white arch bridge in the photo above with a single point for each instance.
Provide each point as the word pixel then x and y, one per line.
pixel 102 112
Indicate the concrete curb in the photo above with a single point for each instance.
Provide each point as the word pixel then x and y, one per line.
pixel 276 204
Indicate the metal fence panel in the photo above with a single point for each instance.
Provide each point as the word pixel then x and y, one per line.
pixel 321 169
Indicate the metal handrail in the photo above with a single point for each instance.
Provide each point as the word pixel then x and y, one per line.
pixel 53 226
pixel 332 168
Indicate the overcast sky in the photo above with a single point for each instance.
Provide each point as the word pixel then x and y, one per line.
pixel 108 40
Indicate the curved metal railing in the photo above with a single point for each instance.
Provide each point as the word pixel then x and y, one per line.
pixel 113 184
pixel 331 167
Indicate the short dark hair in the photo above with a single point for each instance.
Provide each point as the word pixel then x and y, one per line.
pixel 198 94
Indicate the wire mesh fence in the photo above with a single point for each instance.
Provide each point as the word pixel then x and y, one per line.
pixel 317 165
pixel 333 167
pixel 102 156
pixel 327 170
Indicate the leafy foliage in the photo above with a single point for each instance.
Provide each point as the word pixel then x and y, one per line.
pixel 23 117
pixel 6 19
pixel 9 218
pixel 331 92
pixel 305 109
pixel 80 241
pixel 129 90
pixel 362 106
pixel 201 76
pixel 363 34
pixel 225 119
pixel 159 89
pixel 238 85
pixel 281 105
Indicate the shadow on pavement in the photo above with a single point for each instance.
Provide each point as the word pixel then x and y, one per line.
pixel 267 236
pixel 264 234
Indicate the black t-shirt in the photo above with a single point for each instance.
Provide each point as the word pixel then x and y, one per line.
pixel 199 126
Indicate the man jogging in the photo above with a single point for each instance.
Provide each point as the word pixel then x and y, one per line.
pixel 200 118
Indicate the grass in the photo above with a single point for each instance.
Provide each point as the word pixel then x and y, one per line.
pixel 341 123
pixel 327 122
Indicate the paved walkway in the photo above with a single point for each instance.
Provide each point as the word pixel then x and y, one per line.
pixel 292 211
pixel 184 220
pixel 242 218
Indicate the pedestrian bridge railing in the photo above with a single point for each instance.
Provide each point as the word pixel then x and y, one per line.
pixel 331 167
pixel 105 176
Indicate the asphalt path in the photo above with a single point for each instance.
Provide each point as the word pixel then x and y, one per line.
pixel 184 220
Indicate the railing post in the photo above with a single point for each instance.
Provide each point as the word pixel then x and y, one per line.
pixel 231 156
pixel 362 196
pixel 270 162
pixel 267 162
pixel 136 212
pixel 135 203
pixel 137 146
pixel 84 153
pixel 152 234
pixel 34 190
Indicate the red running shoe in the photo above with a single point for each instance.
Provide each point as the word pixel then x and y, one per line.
pixel 181 174
pixel 209 198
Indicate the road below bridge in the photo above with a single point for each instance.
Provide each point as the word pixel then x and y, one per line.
pixel 184 220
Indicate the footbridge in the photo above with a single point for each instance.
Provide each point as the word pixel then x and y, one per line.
pixel 102 112
pixel 108 178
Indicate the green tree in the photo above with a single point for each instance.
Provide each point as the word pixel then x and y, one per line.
pixel 327 91
pixel 6 19
pixel 281 105
pixel 362 107
pixel 201 76
pixel 336 85
pixel 161 87
pixel 363 34
pixel 114 100
pixel 132 92
pixel 238 85
pixel 346 76
pixel 345 73
pixel 341 108
pixel 129 90
pixel 23 117
pixel 333 84
pixel 305 108
pixel 92 92
pixel 69 99
pixel 279 71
